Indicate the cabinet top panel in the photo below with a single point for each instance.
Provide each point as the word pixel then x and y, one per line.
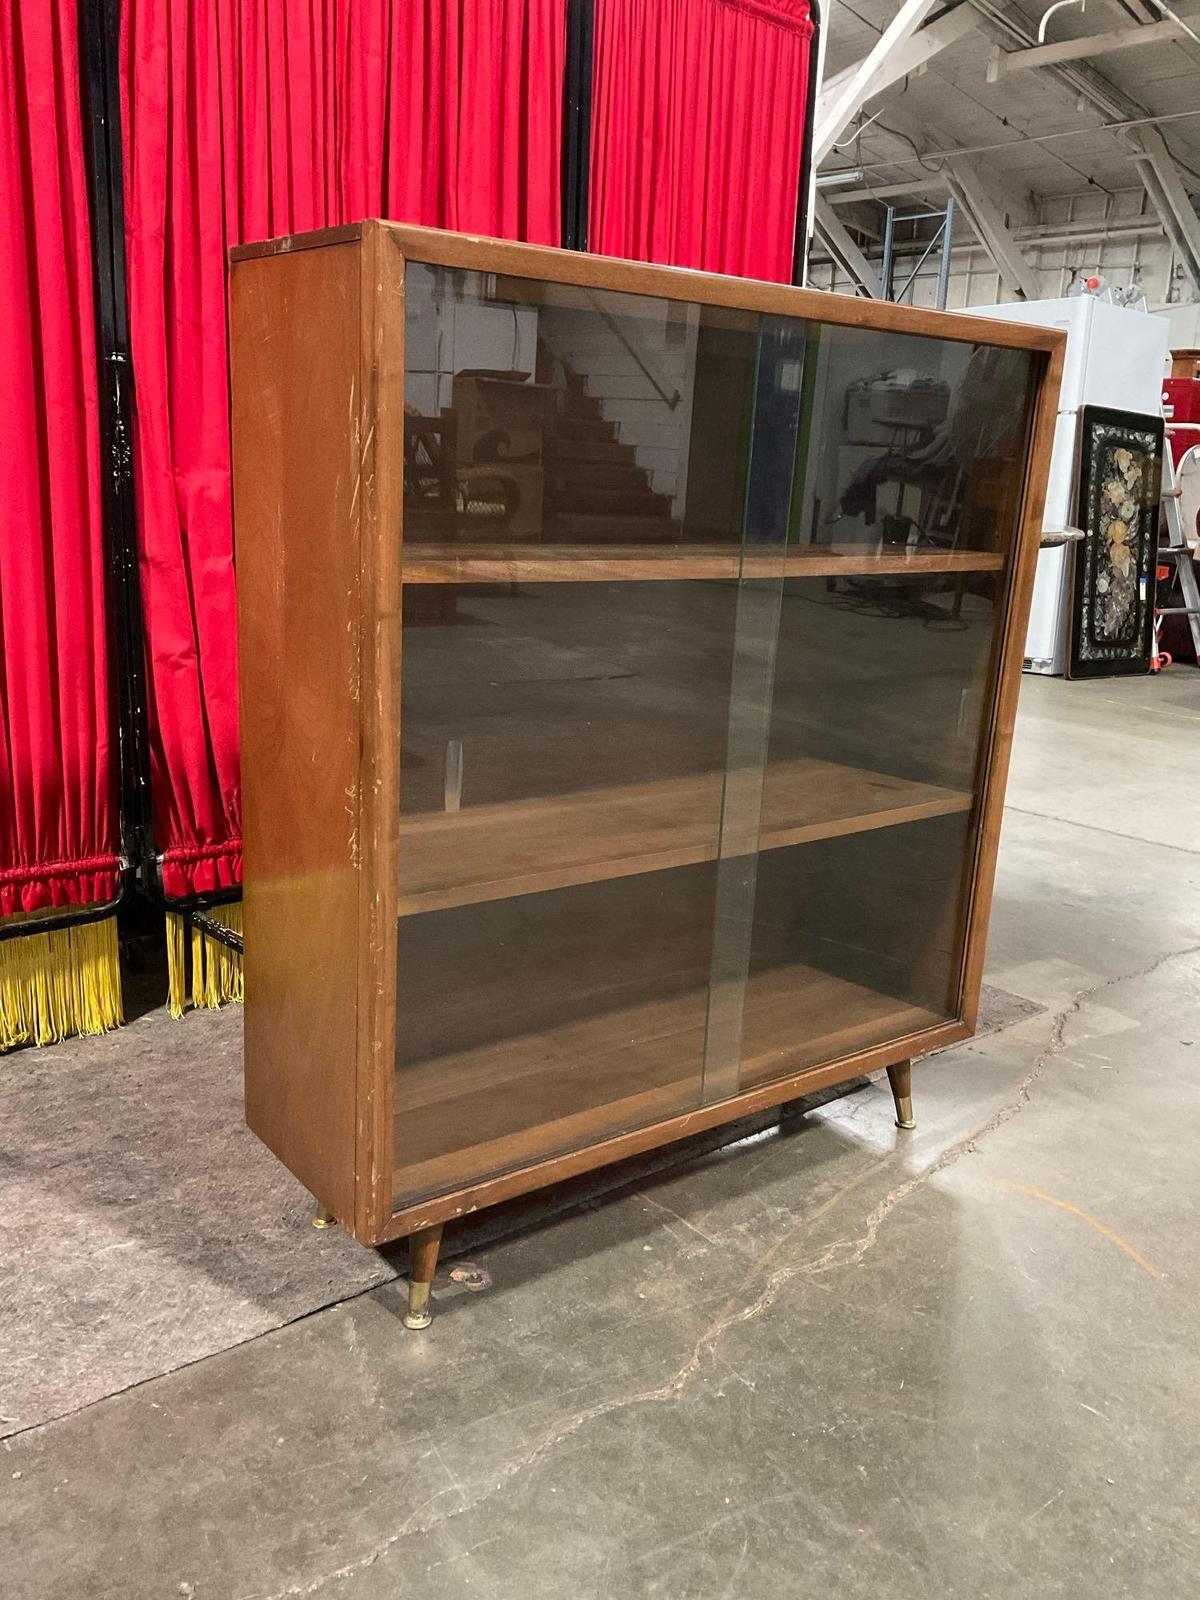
pixel 471 251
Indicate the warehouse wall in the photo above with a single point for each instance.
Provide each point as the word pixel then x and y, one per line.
pixel 1117 236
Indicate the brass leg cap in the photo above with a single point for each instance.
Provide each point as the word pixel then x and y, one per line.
pixel 418 1314
pixel 324 1219
pixel 904 1112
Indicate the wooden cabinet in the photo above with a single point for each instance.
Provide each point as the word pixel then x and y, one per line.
pixel 629 659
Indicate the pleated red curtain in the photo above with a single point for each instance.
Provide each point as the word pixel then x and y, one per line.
pixel 697 132
pixel 58 823
pixel 251 118
pixel 455 114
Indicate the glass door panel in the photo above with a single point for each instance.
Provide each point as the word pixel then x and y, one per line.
pixel 771 462
pixel 576 465
pixel 910 446
pixel 909 480
pixel 700 611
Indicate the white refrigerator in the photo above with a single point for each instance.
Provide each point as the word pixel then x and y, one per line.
pixel 1115 357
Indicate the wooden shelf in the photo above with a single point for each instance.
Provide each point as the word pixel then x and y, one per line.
pixel 616 563
pixel 494 852
pixel 507 1103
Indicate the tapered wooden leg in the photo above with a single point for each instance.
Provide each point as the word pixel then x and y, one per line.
pixel 900 1078
pixel 423 1248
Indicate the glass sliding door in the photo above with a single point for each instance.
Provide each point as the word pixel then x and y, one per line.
pixel 576 485
pixel 908 484
pixel 700 612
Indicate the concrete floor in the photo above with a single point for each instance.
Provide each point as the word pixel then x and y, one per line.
pixel 832 1361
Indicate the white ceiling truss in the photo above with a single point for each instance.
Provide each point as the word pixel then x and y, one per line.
pixel 841 246
pixel 993 199
pixel 1006 25
pixel 1003 62
pixel 1169 196
pixel 911 47
pixel 887 191
pixel 991 229
pixel 844 95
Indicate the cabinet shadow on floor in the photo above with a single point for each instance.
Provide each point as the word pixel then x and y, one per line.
pixel 147 1228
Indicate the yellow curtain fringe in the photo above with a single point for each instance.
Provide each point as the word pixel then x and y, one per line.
pixel 176 965
pixel 216 969
pixel 60 983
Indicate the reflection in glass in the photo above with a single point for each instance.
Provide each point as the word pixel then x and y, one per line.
pixel 546 414
pixel 700 615
pixel 916 444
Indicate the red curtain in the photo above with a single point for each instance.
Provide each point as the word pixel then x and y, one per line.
pixel 455 114
pixel 58 821
pixel 697 130
pixel 251 118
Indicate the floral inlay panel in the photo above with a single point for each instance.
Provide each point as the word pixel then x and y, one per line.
pixel 1119 486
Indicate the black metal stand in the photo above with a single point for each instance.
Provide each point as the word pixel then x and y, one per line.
pixel 196 915
pixel 577 123
pixel 99 39
pixel 804 193
pixel 99 24
pixel 69 917
pixel 99 34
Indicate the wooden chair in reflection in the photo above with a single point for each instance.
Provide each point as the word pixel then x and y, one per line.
pixel 447 502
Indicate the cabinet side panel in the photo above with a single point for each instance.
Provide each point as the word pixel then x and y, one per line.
pixel 295 353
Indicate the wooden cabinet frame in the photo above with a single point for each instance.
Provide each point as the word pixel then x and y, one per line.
pixel 318 418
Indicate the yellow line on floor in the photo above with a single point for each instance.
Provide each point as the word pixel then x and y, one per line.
pixel 1093 1222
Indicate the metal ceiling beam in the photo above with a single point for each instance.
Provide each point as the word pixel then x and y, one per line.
pixel 1002 62
pixel 1002 22
pixel 841 100
pixel 984 214
pixel 831 229
pixel 1169 196
pixel 887 191
pixel 908 56
pixel 1125 225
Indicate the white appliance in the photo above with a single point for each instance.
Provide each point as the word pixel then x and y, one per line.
pixel 1115 357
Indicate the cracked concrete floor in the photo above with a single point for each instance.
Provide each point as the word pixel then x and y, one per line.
pixel 831 1361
